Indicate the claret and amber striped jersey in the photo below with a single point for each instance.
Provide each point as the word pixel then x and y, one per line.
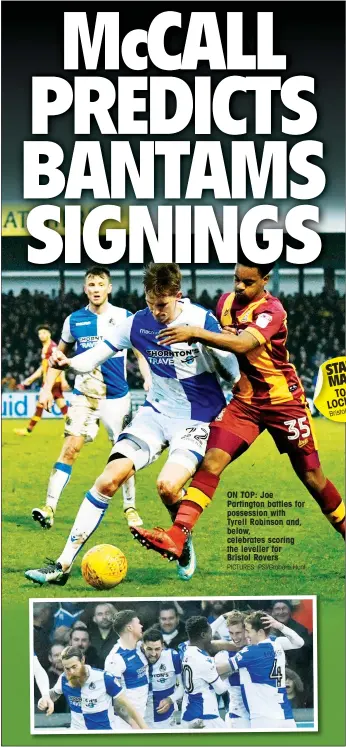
pixel 267 376
pixel 46 353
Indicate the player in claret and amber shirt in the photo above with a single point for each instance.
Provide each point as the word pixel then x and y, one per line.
pixel 45 336
pixel 268 396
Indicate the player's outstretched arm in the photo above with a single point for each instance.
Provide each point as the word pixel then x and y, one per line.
pixel 46 704
pixel 221 645
pixel 242 343
pixel 290 640
pixel 34 376
pixel 122 700
pixel 41 677
pixel 90 359
pixel 84 362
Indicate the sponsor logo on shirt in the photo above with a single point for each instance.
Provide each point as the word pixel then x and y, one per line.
pixel 263 320
pixel 75 700
pixel 147 332
pixel 169 357
pixel 90 702
pixel 82 324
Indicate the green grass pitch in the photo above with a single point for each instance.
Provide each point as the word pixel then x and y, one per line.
pixel 26 466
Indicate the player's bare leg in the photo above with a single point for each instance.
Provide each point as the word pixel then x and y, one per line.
pixel 324 493
pixel 89 516
pixel 171 543
pixel 172 495
pixel 59 478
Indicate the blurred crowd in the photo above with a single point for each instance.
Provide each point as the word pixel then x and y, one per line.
pixel 89 625
pixel 316 330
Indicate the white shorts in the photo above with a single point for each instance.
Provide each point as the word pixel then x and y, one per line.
pixel 273 724
pixel 216 724
pixel 240 722
pixel 154 432
pixel 85 413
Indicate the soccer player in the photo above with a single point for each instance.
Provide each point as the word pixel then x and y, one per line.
pixel 127 662
pixel 268 396
pixel 165 681
pixel 184 396
pixel 90 694
pixel 261 667
pixel 45 336
pixel 102 394
pixel 237 716
pixel 201 679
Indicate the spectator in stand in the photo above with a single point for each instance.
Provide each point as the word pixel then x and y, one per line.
pixel 80 637
pixel 42 614
pixel 62 635
pixel 172 629
pixel 295 689
pixel 316 324
pixel 8 383
pixel 102 634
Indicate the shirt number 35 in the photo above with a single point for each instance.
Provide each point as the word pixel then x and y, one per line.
pixel 298 428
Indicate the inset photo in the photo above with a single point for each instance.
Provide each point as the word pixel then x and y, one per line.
pixel 211 664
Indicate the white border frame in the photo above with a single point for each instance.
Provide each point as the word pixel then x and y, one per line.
pixel 101 600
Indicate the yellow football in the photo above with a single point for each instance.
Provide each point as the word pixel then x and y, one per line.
pixel 104 566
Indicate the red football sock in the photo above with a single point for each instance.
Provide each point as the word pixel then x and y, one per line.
pixel 205 481
pixel 35 418
pixel 332 506
pixel 64 410
pixel 198 496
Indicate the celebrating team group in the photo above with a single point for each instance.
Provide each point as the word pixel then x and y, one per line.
pixel 183 352
pixel 143 681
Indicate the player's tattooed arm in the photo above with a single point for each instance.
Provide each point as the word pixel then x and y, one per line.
pixel 121 711
pixel 242 343
pixel 132 713
pixel 53 695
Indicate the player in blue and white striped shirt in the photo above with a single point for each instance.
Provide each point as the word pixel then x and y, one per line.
pixel 165 680
pixel 261 667
pixel 90 694
pixel 201 680
pixel 101 395
pixel 184 397
pixel 126 660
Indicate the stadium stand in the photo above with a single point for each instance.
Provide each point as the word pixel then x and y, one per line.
pixel 315 322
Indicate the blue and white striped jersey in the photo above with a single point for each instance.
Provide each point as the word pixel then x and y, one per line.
pixel 164 676
pixel 261 670
pixel 86 329
pixel 182 648
pixel 91 704
pixel 185 379
pixel 237 707
pixel 130 667
pixel 199 673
